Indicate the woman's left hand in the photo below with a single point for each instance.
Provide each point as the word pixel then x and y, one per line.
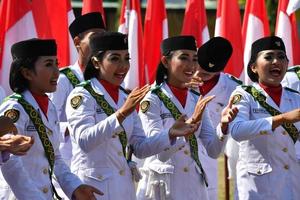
pixel 228 115
pixel 85 192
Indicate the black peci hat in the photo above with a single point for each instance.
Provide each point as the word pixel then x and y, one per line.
pixel 86 22
pixel 214 54
pixel 33 48
pixel 266 43
pixel 108 41
pixel 178 42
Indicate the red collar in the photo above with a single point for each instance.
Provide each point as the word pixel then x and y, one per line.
pixel 42 101
pixel 113 90
pixel 208 85
pixel 273 92
pixel 180 94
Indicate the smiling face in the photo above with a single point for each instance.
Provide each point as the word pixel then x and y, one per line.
pixel 270 66
pixel 114 66
pixel 43 78
pixel 181 67
pixel 205 75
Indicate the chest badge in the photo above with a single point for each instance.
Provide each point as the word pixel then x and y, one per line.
pixel 13 114
pixel 76 101
pixel 237 98
pixel 145 106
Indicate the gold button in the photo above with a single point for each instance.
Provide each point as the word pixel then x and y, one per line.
pixel 185 169
pixel 221 138
pixel 100 177
pixel 114 136
pixel 285 150
pixel 121 172
pixel 284 133
pixel 120 153
pixel 259 172
pixel 49 132
pixel 166 149
pixel 263 132
pixel 286 167
pixel 45 171
pixel 45 190
pixel 186 152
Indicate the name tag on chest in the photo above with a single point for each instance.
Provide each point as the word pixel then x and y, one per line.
pixel 259 110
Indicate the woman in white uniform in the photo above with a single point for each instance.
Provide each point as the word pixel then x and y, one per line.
pixel 177 173
pixel 33 73
pixel 103 121
pixel 267 126
pixel 292 78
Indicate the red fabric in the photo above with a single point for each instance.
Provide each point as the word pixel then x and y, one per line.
pixel 208 85
pixel 179 93
pixel 43 102
pixel 228 25
pixel 93 6
pixel 195 22
pixel 113 90
pixel 273 92
pixel 155 30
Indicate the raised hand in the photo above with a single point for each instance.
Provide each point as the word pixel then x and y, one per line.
pixel 20 144
pixel 85 192
pixel 292 116
pixel 181 128
pixel 195 82
pixel 131 102
pixel 228 115
pixel 199 109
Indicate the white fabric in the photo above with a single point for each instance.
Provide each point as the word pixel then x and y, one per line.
pixel 267 167
pixel 173 174
pixel 97 152
pixel 27 174
pixel 291 80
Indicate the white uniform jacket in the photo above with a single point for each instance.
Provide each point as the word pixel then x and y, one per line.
pixel 222 91
pixel 29 173
pixel 291 80
pixel 267 167
pixel 2 94
pixel 97 152
pixel 174 171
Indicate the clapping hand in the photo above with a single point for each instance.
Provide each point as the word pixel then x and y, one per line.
pixel 195 82
pixel 228 115
pixel 85 192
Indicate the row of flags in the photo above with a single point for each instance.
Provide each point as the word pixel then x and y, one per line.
pixel 23 19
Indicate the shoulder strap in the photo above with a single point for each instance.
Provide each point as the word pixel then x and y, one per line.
pixel 238 81
pixel 295 69
pixel 261 99
pixel 41 129
pixel 192 138
pixel 108 109
pixel 291 90
pixel 71 76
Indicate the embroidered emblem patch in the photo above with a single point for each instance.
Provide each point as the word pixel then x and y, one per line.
pixel 76 101
pixel 13 114
pixel 211 65
pixel 145 106
pixel 237 98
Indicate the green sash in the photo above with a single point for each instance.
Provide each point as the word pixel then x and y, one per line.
pixel 107 109
pixel 192 138
pixel 71 76
pixel 296 70
pixel 289 127
pixel 41 129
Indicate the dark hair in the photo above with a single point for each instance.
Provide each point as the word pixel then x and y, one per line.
pixel 90 70
pixel 253 76
pixel 161 71
pixel 17 82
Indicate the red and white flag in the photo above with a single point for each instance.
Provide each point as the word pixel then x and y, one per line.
pixel 89 6
pixel 195 22
pixel 255 26
pixel 293 6
pixel 17 24
pixel 60 15
pixel 228 25
pixel 131 24
pixel 286 28
pixel 155 30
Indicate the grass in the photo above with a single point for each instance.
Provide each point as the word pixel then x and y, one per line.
pixel 221 193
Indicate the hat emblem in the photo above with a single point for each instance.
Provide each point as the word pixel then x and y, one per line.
pixel 211 65
pixel 277 43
